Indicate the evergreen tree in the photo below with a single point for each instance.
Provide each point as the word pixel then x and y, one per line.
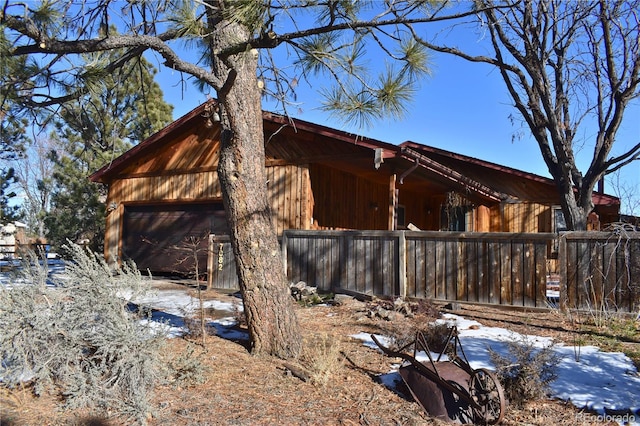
pixel 15 85
pixel 120 109
pixel 8 213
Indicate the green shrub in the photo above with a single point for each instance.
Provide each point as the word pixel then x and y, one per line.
pixel 187 368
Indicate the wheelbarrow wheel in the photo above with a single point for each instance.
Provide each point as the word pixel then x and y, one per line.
pixel 486 391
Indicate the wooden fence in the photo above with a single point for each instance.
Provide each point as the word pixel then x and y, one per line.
pixel 600 271
pixel 493 268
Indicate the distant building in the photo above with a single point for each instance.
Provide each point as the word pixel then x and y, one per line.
pixel 12 236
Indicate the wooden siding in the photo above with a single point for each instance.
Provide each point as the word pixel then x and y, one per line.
pixel 288 193
pixel 346 201
pixel 420 210
pixel 191 149
pixel 525 217
pixel 425 213
pixel 289 196
pixel 178 187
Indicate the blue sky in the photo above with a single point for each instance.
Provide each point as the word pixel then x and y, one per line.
pixel 463 107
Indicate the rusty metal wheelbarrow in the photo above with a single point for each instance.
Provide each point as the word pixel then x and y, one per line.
pixel 450 389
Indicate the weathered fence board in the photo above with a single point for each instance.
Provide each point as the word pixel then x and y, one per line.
pixel 221 264
pixel 600 271
pixel 597 269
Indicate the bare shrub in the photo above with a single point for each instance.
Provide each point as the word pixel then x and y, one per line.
pixel 525 371
pixel 322 358
pixel 403 334
pixel 195 324
pixel 77 337
pixel 622 266
pixel 427 309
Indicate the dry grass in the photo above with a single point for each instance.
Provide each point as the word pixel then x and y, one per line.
pixel 241 389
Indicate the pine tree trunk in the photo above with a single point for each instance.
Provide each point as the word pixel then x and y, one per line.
pixel 269 310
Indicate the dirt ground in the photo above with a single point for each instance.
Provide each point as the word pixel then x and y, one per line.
pixel 241 389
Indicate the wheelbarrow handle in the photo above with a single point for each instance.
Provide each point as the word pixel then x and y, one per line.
pixel 399 354
pixel 390 352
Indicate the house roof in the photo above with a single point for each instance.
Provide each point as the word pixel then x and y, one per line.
pixel 503 179
pixel 313 143
pixel 298 141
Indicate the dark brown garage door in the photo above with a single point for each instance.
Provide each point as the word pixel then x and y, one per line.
pixel 161 238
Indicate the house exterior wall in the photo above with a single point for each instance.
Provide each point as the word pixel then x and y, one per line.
pixel 425 212
pixel 526 217
pixel 345 201
pixel 288 193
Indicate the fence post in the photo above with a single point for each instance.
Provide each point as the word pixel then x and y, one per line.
pixel 283 249
pixel 564 279
pixel 402 264
pixel 210 262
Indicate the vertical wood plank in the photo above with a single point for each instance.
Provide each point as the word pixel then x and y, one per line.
pixel 483 274
pixel 505 274
pixel 401 256
pixel 517 273
pixel 440 263
pixel 429 268
pixel 541 272
pixel 387 262
pixel 411 255
pixel 595 289
pixel 582 273
pixel 210 264
pixel 461 276
pixel 473 266
pixel 421 269
pixel 393 202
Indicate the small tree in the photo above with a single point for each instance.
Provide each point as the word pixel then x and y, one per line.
pixel 91 131
pixel 191 246
pixel 36 183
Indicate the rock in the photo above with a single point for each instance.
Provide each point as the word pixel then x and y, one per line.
pixel 309 291
pixel 453 306
pixel 343 299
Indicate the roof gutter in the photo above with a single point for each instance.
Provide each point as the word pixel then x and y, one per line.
pixel 450 174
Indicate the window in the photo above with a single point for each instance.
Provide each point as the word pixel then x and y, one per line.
pixel 401 220
pixel 559 224
pixel 453 218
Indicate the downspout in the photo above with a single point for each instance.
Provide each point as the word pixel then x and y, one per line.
pixel 409 171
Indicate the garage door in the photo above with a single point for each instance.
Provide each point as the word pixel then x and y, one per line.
pixel 165 238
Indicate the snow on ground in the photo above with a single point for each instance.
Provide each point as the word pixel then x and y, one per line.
pixel 599 381
pixel 605 382
pixel 171 306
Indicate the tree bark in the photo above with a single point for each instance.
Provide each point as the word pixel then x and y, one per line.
pixel 273 326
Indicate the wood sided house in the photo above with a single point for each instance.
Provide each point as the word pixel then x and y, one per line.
pixel 166 189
